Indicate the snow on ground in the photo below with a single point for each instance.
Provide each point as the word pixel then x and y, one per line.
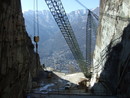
pixel 46 87
pixel 73 78
pixel 58 82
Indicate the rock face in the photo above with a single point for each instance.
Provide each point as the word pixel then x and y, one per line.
pixel 17 57
pixel 111 56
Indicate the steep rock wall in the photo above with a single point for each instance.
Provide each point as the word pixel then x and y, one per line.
pixel 17 57
pixel 112 45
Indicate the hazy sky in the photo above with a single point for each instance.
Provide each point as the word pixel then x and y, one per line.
pixel 69 5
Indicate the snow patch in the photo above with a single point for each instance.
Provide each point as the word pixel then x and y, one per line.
pixel 46 87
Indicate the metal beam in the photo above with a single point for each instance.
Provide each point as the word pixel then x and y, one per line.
pixel 62 21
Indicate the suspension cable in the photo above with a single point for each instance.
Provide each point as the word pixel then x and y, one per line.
pixel 37 17
pixel 87 9
pixel 36 28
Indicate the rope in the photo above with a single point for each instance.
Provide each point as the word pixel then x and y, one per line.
pixel 34 17
pixel 37 17
pixel 36 28
pixel 87 9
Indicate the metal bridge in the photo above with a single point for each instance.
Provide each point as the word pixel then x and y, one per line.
pixel 64 25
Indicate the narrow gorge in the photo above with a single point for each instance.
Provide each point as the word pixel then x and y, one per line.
pixel 19 63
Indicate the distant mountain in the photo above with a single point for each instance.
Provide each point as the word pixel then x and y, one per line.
pixel 47 25
pixel 53 49
pixel 96 11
